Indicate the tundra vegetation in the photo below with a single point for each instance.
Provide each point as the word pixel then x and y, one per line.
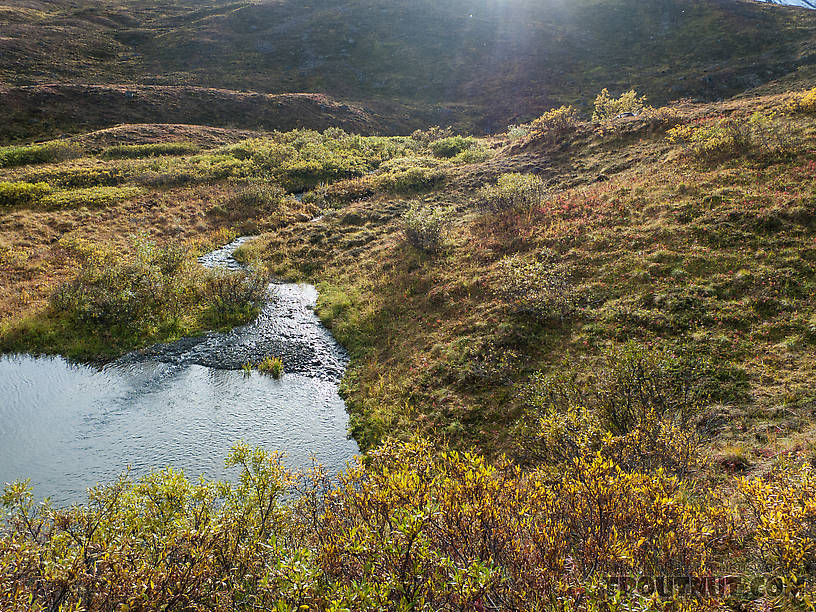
pixel 584 348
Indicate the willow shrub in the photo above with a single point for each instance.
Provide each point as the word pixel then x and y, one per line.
pixel 425 226
pixel 608 107
pixel 412 529
pixel 14 194
pixel 151 287
pixel 538 286
pixel 802 102
pixel 48 152
pixel 512 191
pixel 554 125
pixel 637 408
pixel 718 138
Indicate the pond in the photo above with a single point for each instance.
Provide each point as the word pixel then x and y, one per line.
pixel 67 426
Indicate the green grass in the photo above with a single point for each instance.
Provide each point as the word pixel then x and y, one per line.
pixel 48 152
pixel 150 150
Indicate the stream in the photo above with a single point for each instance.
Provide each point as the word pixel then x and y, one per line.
pixel 184 404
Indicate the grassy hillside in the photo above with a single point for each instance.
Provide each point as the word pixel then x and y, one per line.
pixel 487 63
pixel 583 346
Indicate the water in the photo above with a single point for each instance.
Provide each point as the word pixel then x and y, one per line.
pixel 67 427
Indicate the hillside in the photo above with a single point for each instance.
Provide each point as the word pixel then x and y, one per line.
pixel 482 64
pixel 615 314
pixel 577 328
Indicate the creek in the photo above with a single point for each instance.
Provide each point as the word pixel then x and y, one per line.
pixel 184 404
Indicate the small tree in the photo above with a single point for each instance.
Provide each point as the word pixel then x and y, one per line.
pixel 425 226
pixel 607 107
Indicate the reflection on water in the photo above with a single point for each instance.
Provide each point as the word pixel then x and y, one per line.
pixel 68 427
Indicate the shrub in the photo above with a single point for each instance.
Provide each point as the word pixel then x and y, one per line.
pixel 410 175
pixel 411 529
pixel 517 132
pixel 302 159
pixel 71 178
pixel 12 194
pixel 96 197
pixel 554 125
pixel 473 155
pixel 424 226
pixel 608 108
pixel 426 137
pixel 233 296
pixel 538 286
pixel 778 515
pixel 452 146
pixel 715 139
pixel 272 366
pixel 802 102
pixel 48 152
pixel 512 191
pixel 148 287
pixel 150 150
pixel 635 409
pixel 258 196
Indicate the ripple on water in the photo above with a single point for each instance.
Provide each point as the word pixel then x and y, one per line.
pixel 68 426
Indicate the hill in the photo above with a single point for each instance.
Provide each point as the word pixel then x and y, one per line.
pixel 482 64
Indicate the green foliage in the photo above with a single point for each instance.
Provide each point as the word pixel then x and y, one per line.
pixel 517 132
pixel 258 196
pixel 554 125
pixel 273 366
pixel 71 178
pixel 412 529
pixel 410 175
pixel 150 150
pixel 452 146
pixel 94 197
pixel 714 139
pixel 425 226
pixel 608 108
pixel 425 137
pixel 537 286
pixel 512 191
pixel 636 409
pixel 802 102
pixel 301 159
pixel 13 194
pixel 232 298
pixel 145 294
pixel 49 152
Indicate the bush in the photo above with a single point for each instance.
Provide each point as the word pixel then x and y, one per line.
pixel 635 409
pixel 554 125
pixel 802 102
pixel 410 175
pixel 714 139
pixel 302 159
pixel 538 286
pixel 608 108
pixel 149 287
pixel 424 226
pixel 71 178
pixel 150 150
pixel 426 137
pixel 512 191
pixel 412 529
pixel 258 196
pixel 12 194
pixel 473 155
pixel 48 152
pixel 518 132
pixel 452 146
pixel 95 197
